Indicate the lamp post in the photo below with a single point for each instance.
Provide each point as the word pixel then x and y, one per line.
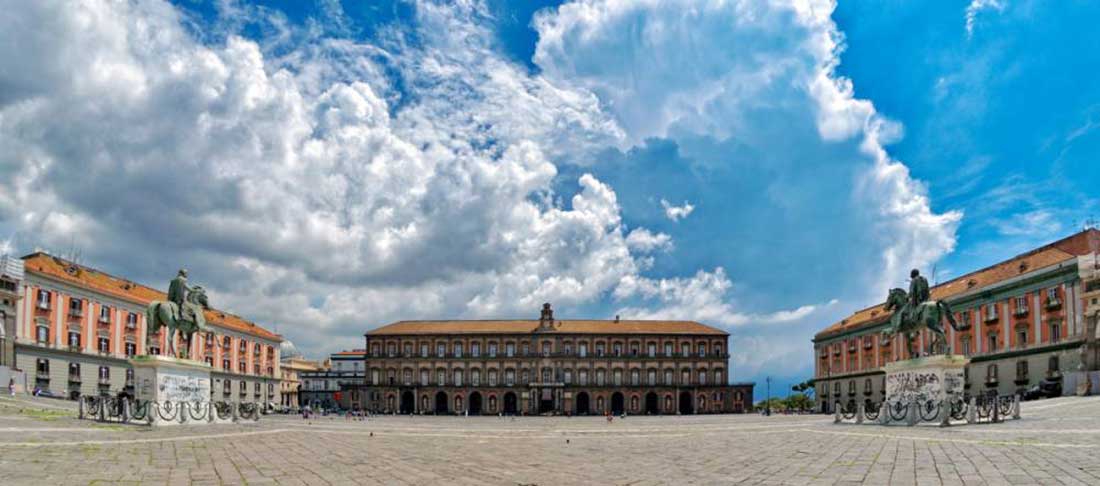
pixel 768 403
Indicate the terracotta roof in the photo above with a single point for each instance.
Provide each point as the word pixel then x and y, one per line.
pixel 354 352
pixel 120 288
pixel 560 326
pixel 1081 243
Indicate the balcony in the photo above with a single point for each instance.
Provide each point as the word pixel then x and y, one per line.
pixel 74 379
pixel 1020 311
pixel 43 305
pixel 105 318
pixel 1021 380
pixel 104 380
pixel 1054 303
pixel 76 312
pixel 991 317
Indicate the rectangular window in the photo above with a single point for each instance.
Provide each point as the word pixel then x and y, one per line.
pixel 492 350
pixel 441 377
pixel 617 377
pixel 423 350
pixel 475 349
pixel 131 320
pixel 685 350
pixel 599 349
pixel 1055 331
pixel 993 342
pixel 652 350
pixel 582 377
pixel 546 348
pixel 43 299
pixel 617 349
pixel 76 307
pixel 1021 337
pixel 1052 296
pixel 74 339
pixel 458 350
pixel 42 332
pixel 104 314
pixel 131 350
pixel 526 349
pixel 441 350
pixel 582 349
pixel 668 349
pixel 225 364
pixel 510 377
pixel 966 345
pixel 408 349
pixel 475 377
pixel 391 350
pixel 104 345
pixel 702 377
pixel 104 374
pixel 668 377
pixel 601 376
pixel 458 377
pixel 568 349
pixel 510 349
pixel 423 377
pixel 651 377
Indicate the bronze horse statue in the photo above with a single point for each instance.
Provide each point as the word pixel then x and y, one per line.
pixel 161 313
pixel 910 321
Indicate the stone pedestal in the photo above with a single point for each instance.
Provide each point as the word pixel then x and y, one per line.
pixel 181 382
pixel 914 382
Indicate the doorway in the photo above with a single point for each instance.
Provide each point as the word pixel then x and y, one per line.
pixel 408 403
pixel 687 407
pixel 475 404
pixel 510 406
pixel 617 405
pixel 582 403
pixel 440 403
pixel 651 402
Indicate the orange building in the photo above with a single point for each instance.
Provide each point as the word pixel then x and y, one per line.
pixel 1024 320
pixel 77 326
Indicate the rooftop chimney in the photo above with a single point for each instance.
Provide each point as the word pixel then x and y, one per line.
pixel 616 318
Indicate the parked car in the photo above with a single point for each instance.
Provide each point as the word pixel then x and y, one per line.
pixel 1048 388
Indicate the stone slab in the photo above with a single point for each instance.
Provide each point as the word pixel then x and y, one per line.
pixel 934 378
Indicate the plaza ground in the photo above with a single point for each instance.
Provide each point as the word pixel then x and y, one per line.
pixel 1056 442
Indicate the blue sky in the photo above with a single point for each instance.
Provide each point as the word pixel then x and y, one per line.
pixel 326 167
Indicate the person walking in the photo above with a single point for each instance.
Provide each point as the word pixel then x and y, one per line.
pixel 11 386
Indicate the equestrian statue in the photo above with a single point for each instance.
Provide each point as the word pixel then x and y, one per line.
pixel 183 312
pixel 914 311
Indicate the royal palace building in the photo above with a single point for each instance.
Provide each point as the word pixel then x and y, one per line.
pixel 77 326
pixel 548 366
pixel 1023 321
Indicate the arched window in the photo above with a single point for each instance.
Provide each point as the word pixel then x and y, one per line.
pixel 458 377
pixel 617 378
pixel 718 379
pixel 601 377
pixel 668 376
pixel 702 377
pixel 582 377
pixel 492 377
pixel 475 377
pixel 651 377
pixel 635 380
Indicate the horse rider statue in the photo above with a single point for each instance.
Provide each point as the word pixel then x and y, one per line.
pixel 182 311
pixel 914 311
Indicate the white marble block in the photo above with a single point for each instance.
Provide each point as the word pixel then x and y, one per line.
pixel 935 378
pixel 164 379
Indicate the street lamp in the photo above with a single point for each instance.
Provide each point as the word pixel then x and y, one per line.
pixel 768 403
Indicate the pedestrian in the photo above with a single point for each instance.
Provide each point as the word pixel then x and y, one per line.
pixel 11 386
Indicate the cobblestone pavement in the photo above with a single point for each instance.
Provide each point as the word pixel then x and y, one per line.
pixel 1056 442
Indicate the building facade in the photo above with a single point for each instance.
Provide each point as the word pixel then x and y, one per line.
pixel 1027 319
pixel 77 326
pixel 292 364
pixel 335 383
pixel 11 292
pixel 575 367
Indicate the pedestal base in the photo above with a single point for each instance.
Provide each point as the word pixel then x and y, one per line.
pixel 936 379
pixel 182 383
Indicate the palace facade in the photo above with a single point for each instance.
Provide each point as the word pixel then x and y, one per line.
pixel 77 326
pixel 574 367
pixel 1024 320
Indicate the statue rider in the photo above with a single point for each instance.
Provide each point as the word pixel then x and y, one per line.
pixel 177 292
pixel 918 292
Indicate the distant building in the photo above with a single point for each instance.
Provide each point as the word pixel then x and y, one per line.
pixel 293 365
pixel 325 388
pixel 76 327
pixel 11 292
pixel 547 365
pixel 1026 319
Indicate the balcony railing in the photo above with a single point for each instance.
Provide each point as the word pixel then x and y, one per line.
pixel 1020 311
pixel 76 312
pixel 1054 303
pixel 74 378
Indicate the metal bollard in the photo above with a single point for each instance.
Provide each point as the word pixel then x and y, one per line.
pixel 1016 407
pixel 80 414
pixel 945 413
pixel 884 413
pixel 210 411
pixel 233 407
pixel 913 415
pixel 183 411
pixel 996 409
pixel 836 413
pixel 859 413
pixel 972 411
pixel 126 411
pixel 152 411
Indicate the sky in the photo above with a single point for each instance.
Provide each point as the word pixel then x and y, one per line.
pixel 326 167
